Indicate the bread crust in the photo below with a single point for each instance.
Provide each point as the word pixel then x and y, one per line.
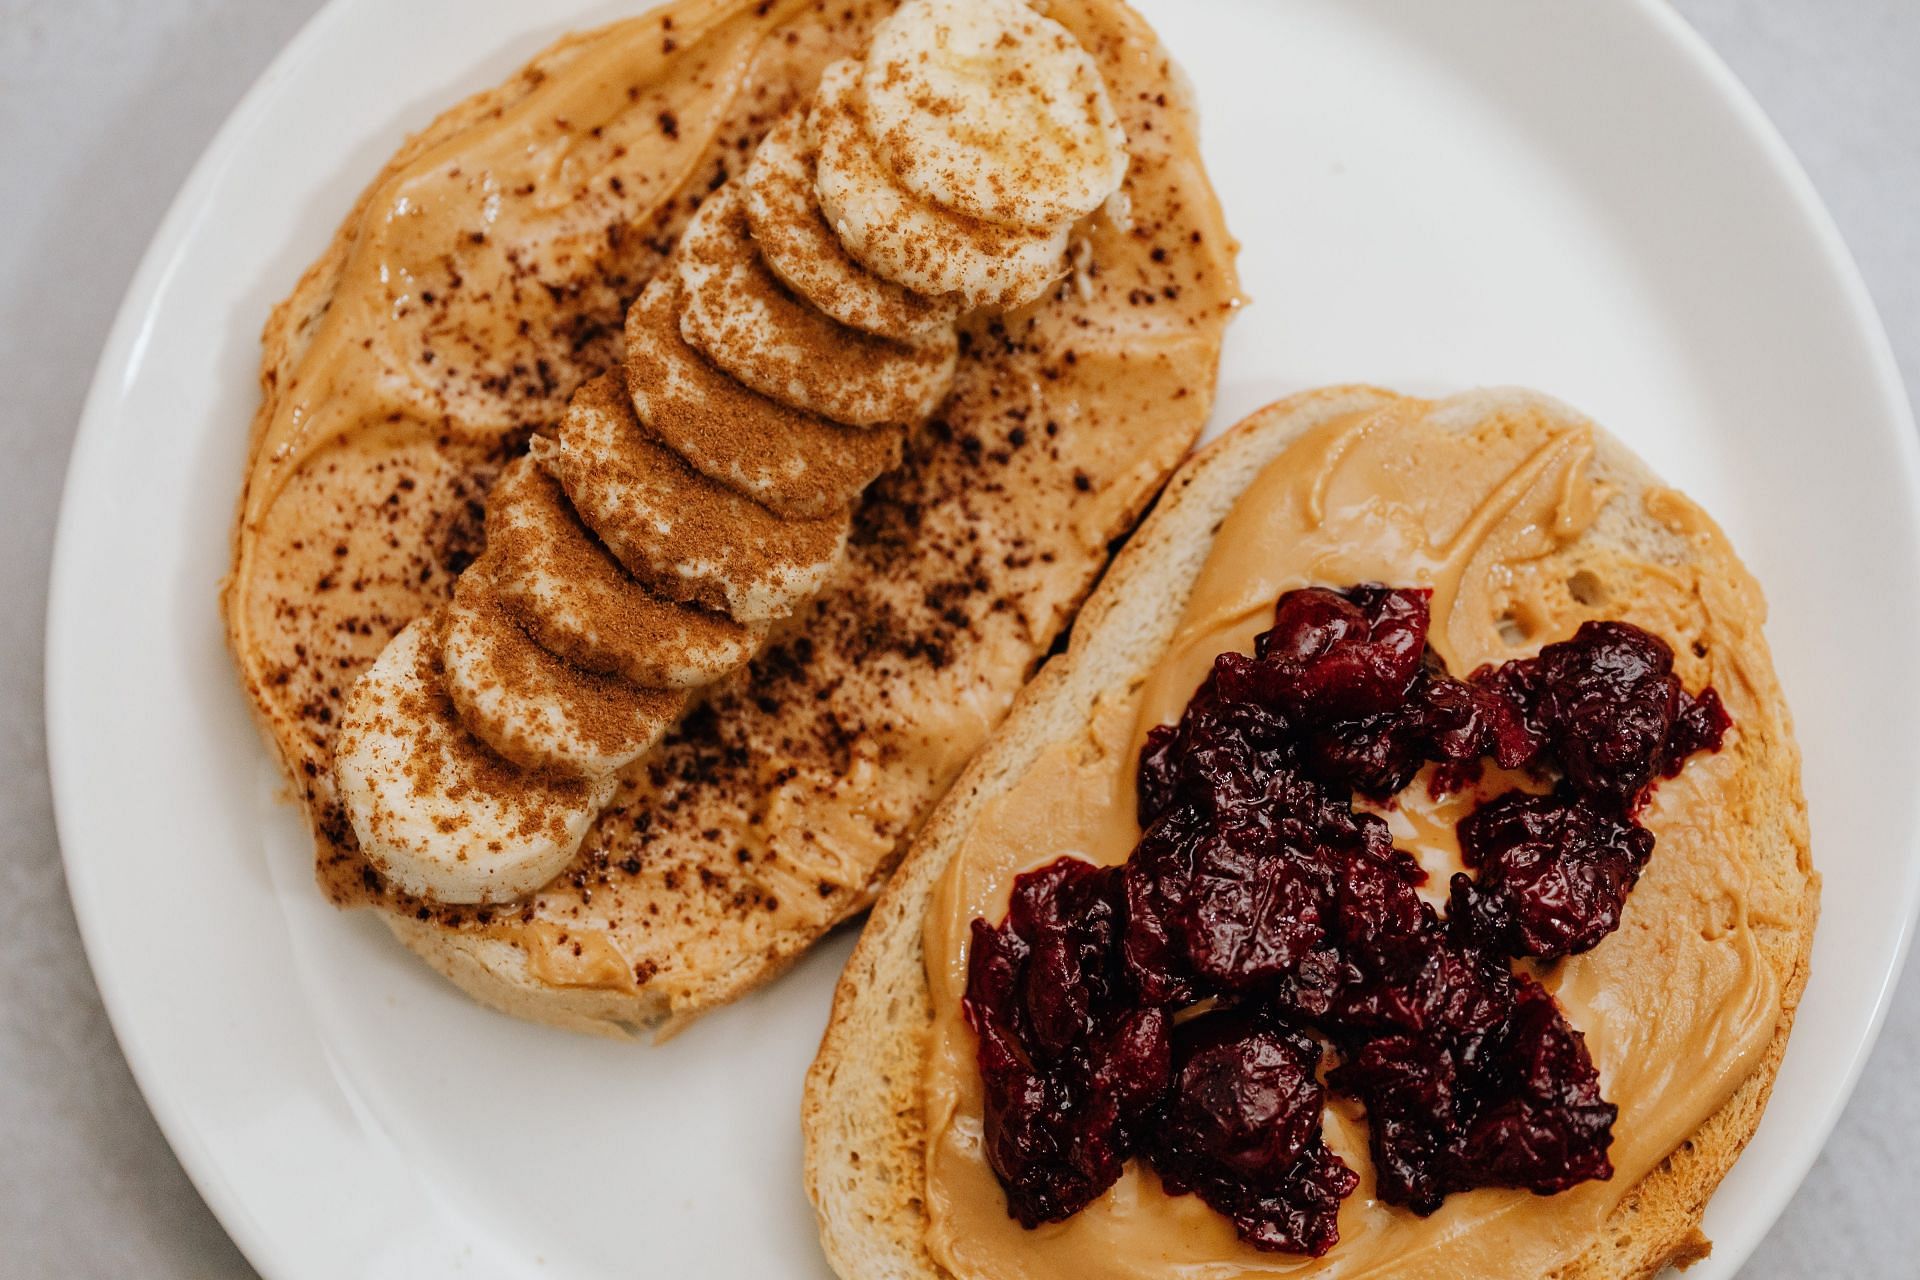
pixel 862 1106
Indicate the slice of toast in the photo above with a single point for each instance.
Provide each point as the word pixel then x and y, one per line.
pixel 778 806
pixel 862 1113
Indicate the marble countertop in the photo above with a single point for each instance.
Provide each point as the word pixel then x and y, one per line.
pixel 105 104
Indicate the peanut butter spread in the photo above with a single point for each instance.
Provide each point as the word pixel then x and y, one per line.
pixel 485 277
pixel 1677 1007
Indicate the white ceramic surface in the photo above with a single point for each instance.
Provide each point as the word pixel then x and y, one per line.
pixel 1576 197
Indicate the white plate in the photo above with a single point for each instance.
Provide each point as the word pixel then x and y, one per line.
pixel 1573 196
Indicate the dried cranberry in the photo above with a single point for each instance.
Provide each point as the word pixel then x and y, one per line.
pixel 1246 1100
pixel 1342 655
pixel 1222 752
pixel 1070 1062
pixel 1607 705
pixel 1209 911
pixel 1424 985
pixel 1441 719
pixel 1412 1092
pixel 1374 898
pixel 1251 914
pixel 1517 1105
pixel 1264 911
pixel 1241 1130
pixel 1158 778
pixel 1701 726
pixel 1464 722
pixel 1541 1122
pixel 1156 879
pixel 1555 871
pixel 1068 915
pixel 1375 756
pixel 1231 884
pixel 1297 1213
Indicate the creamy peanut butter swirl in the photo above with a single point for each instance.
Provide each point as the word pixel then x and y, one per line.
pixel 1677 1007
pixel 666 464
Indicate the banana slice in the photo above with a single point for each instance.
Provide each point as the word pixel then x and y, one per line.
pixel 532 707
pixel 793 236
pixel 991 110
pixel 796 463
pixel 736 311
pixel 907 238
pixel 685 536
pixel 436 813
pixel 576 600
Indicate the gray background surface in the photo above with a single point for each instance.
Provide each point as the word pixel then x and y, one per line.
pixel 105 104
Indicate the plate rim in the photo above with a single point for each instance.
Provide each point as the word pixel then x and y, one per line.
pixel 265 1252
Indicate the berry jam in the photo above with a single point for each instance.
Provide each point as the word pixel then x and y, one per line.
pixel 1177 1009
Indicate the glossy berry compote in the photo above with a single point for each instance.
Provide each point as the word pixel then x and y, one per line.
pixel 1073 1064
pixel 1178 1009
pixel 1240 1128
